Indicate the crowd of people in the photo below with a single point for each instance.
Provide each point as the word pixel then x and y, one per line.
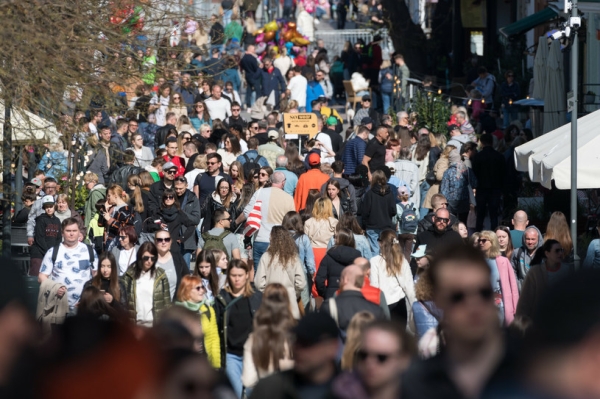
pixel 233 261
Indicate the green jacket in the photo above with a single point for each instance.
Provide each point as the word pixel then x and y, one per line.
pixel 97 193
pixel 161 297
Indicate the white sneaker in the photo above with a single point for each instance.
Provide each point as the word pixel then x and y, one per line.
pixel 317 22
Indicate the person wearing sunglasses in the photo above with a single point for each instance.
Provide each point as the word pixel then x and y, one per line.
pixel 200 116
pixel 438 201
pixel 192 295
pixel 504 282
pixel 475 345
pixel 147 287
pixel 385 353
pixel 205 183
pixel 170 217
pixel 177 105
pixel 547 270
pixel 169 170
pixel 439 235
pixel 126 249
pixel 170 260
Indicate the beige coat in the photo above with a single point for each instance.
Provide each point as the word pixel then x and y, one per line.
pixel 292 278
pixel 50 308
pixel 440 167
pixel 251 375
pixel 320 231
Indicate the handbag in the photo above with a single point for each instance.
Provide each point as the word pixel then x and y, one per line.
pixel 253 221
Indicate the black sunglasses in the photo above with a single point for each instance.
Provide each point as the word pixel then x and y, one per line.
pixel 167 239
pixel 181 179
pixel 169 197
pixel 147 258
pixel 482 240
pixel 363 355
pixel 171 172
pixel 443 220
pixel 122 237
pixel 460 296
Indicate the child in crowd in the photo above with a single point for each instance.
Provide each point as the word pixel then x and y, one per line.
pixel 21 217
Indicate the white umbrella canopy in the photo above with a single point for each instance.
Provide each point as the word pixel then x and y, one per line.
pixel 555 102
pixel 28 127
pixel 539 68
pixel 548 157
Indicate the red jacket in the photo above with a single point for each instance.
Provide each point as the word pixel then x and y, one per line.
pixel 179 162
pixel 372 294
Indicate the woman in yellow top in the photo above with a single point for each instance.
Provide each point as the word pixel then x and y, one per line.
pixel 191 295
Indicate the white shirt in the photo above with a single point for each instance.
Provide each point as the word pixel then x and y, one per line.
pixel 126 258
pixel 297 87
pixel 326 141
pixel 393 287
pixel 72 269
pixel 161 112
pixel 144 288
pixel 284 64
pixel 218 109
pixel 93 129
pixel 169 268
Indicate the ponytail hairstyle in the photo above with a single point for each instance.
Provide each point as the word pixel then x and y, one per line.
pixel 391 252
pixel 136 193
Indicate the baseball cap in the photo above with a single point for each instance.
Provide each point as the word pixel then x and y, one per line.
pixel 197 137
pixel 366 98
pixel 314 159
pixel 322 99
pixel 420 252
pixel 315 102
pixel 169 165
pixel 36 181
pixel 452 127
pixel 332 121
pixel 366 121
pixel 48 200
pixel 273 133
pixel 315 328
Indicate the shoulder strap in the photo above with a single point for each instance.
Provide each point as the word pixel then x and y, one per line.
pixel 246 157
pixel 55 253
pixel 230 304
pixel 224 234
pixel 430 310
pixel 91 253
pixel 333 310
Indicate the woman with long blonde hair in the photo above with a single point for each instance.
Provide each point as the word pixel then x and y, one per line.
pixel 391 273
pixel 320 227
pixel 558 229
pixel 176 105
pixel 138 198
pixel 281 264
pixel 442 164
pixel 504 281
pixel 353 337
pixel 268 348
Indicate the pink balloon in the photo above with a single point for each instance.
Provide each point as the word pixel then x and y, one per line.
pixel 260 38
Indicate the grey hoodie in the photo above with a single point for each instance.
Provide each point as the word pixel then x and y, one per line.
pixel 344 184
pixel 521 259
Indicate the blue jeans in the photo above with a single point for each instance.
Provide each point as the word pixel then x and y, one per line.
pixel 373 236
pixel 257 252
pixel 424 189
pixel 233 370
pixel 320 12
pixel 253 88
pixel 510 114
pixel 386 99
pixel 227 17
pixel 187 255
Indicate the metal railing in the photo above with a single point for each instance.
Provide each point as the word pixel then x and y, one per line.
pixel 335 39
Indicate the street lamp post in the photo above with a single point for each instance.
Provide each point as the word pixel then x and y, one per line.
pixel 574 23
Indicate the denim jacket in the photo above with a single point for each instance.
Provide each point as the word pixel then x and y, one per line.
pixel 307 258
pixel 592 258
pixel 362 245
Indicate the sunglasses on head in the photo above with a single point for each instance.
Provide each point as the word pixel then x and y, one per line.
pixel 147 258
pixel 181 179
pixel 363 355
pixel 166 239
pixel 458 297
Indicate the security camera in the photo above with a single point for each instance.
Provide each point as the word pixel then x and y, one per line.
pixel 557 35
pixel 575 22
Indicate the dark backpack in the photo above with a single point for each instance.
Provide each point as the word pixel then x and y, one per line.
pixel 251 163
pixel 57 247
pixel 215 242
pixel 408 221
pixel 345 200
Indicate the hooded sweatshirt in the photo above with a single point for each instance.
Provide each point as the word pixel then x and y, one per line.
pixel 378 209
pixel 330 270
pixel 345 186
pixel 521 259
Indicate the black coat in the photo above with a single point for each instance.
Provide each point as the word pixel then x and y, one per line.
pixel 436 240
pixel 161 134
pixel 121 175
pixel 350 303
pixel 489 168
pixel 211 206
pixel 179 225
pixel 156 191
pixel 377 209
pixel 330 270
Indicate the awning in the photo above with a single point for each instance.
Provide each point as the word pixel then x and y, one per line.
pixel 528 23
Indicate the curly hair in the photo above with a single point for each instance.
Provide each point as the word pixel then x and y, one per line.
pixel 282 247
pixel 423 287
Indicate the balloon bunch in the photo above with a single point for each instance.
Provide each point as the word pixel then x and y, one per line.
pixel 279 33
pixel 129 19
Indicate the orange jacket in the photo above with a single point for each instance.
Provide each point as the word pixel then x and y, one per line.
pixel 312 179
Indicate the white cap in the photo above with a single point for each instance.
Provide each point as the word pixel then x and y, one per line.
pixel 420 252
pixel 48 199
